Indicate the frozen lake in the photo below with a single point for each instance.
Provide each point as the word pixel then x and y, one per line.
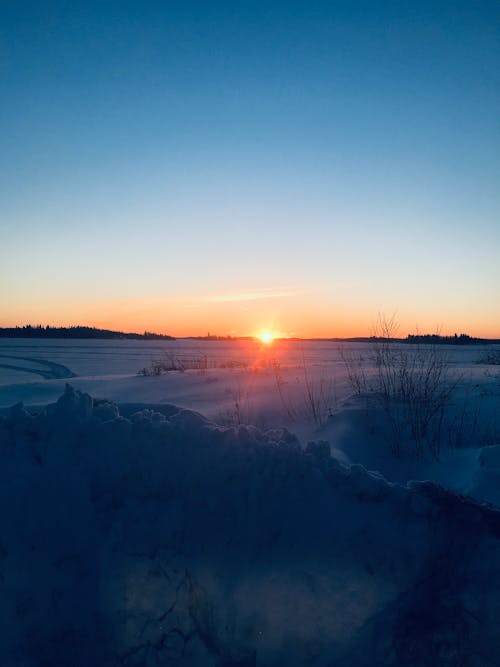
pixel 296 384
pixel 118 357
pixel 300 385
pixel 30 363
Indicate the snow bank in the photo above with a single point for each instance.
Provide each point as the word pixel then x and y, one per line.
pixel 155 537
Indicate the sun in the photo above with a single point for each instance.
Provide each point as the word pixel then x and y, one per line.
pixel 266 337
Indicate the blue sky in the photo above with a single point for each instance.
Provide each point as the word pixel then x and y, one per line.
pixel 338 159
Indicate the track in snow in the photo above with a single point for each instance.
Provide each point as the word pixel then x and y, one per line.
pixel 49 371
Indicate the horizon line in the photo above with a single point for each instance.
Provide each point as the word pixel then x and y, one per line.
pixel 210 336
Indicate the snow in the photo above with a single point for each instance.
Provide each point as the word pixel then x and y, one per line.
pixel 138 531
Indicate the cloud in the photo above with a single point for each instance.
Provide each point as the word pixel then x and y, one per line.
pixel 252 295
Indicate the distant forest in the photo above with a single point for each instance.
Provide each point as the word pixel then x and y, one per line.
pixel 40 331
pixel 435 339
pixel 425 339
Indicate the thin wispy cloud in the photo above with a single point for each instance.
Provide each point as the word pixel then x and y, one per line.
pixel 252 295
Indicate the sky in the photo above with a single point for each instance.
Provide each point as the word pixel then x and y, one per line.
pixel 228 167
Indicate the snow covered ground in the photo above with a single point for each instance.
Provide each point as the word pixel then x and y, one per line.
pixel 136 531
pixel 303 386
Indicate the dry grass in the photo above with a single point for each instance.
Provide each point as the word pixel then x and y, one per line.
pixel 413 385
pixel 173 363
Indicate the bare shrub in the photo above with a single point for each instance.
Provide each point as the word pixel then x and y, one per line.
pixel 281 383
pixel 490 357
pixel 412 384
pixel 201 363
pixel 317 400
pixel 319 396
pixel 355 367
pixel 238 412
pixel 165 365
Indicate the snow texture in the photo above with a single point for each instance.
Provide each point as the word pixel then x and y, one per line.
pixel 155 537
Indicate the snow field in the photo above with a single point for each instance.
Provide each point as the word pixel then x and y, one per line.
pixel 160 538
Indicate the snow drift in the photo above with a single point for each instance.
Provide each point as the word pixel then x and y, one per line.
pixel 154 537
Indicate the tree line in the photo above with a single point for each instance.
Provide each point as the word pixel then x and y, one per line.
pixel 39 331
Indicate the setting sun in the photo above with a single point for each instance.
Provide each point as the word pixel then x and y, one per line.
pixel 266 337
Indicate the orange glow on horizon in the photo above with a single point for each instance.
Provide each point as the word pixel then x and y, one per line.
pixel 185 317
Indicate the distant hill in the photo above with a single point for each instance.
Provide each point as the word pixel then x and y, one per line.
pixel 39 331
